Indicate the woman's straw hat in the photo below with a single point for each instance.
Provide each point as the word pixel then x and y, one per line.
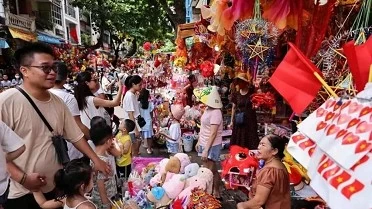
pixel 209 96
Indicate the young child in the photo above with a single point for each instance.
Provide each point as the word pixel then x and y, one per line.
pixel 124 161
pixel 72 183
pixel 104 188
pixel 146 110
pixel 174 144
pixel 11 147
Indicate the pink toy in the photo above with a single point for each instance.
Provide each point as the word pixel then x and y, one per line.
pixel 184 159
pixel 156 180
pixel 174 186
pixel 160 168
pixel 195 183
pixel 207 175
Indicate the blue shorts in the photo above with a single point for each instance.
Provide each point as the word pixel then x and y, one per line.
pixel 173 148
pixel 213 153
pixel 146 134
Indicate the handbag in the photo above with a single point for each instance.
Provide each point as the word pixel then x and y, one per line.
pixel 141 121
pixel 58 141
pixel 239 117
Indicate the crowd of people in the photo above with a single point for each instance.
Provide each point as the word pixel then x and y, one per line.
pixel 100 146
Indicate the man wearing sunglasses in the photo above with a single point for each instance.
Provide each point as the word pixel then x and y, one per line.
pixel 34 170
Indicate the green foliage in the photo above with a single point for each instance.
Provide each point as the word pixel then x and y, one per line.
pixel 144 20
pixel 86 39
pixel 169 46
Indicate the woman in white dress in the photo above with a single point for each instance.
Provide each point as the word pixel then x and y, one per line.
pixel 89 105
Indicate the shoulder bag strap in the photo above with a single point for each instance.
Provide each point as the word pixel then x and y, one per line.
pixel 85 110
pixel 36 108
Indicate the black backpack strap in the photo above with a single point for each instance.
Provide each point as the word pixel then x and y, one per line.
pixel 36 108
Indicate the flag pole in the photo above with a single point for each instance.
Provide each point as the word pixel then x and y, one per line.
pixel 370 74
pixel 325 85
pixel 316 74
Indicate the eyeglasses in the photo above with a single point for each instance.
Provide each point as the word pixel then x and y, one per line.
pixel 45 68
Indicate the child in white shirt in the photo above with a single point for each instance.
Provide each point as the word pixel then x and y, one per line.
pixel 174 143
pixel 12 146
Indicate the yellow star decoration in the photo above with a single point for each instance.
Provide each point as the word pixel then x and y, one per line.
pixel 352 189
pixel 258 50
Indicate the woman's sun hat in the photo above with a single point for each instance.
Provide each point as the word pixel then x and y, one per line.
pixel 209 96
pixel 244 77
pixel 177 111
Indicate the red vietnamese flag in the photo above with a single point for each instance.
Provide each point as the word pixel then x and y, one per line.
pixel 294 79
pixel 330 173
pixel 364 159
pixel 359 59
pixel 306 144
pixel 352 188
pixel 339 179
pixel 326 164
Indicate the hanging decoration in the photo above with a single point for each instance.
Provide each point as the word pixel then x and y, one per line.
pixel 256 40
pixel 240 10
pixel 284 13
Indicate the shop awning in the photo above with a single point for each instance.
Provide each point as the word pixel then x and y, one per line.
pixel 22 34
pixel 3 44
pixel 48 38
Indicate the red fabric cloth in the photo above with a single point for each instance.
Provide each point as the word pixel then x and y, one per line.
pixel 294 79
pixel 73 34
pixel 359 58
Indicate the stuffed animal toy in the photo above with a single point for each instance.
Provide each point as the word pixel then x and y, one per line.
pixel 141 200
pixel 160 168
pixel 148 176
pixel 173 167
pixel 156 180
pixel 175 185
pixel 191 170
pixel 206 174
pixel 158 196
pixel 192 183
pixel 184 159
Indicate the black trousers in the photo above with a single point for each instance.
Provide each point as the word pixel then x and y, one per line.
pixel 27 202
pixel 123 171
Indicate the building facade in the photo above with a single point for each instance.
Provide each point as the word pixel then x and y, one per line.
pixel 50 21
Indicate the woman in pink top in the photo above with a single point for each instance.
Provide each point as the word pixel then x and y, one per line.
pixel 210 137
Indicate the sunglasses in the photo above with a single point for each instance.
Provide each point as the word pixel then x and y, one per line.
pixel 45 68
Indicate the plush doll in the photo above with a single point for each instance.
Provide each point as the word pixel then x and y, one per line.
pixel 191 170
pixel 175 185
pixel 160 168
pixel 156 180
pixel 158 196
pixel 206 174
pixel 173 167
pixel 184 159
pixel 192 183
pixel 148 176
